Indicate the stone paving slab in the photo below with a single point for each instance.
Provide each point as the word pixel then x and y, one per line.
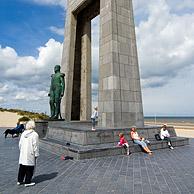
pixel 166 171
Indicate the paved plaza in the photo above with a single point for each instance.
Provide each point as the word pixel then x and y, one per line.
pixel 167 171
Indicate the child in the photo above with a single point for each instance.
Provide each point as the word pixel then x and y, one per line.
pixel 94 116
pixel 123 142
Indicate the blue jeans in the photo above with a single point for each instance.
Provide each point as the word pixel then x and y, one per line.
pixel 93 122
pixel 141 143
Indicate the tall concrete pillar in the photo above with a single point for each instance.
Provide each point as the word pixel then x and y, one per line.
pixel 85 101
pixel 120 101
pixel 76 64
pixel 67 66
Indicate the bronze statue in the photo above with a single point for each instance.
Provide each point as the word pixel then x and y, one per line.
pixel 57 89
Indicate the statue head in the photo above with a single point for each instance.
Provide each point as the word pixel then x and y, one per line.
pixel 57 68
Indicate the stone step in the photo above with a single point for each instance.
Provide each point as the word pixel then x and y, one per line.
pixel 108 149
pixel 80 133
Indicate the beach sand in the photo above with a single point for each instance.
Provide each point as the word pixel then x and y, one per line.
pixel 8 119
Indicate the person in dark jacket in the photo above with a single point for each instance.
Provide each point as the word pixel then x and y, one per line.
pixel 19 128
pixel 15 131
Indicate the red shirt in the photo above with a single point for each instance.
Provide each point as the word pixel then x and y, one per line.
pixel 122 141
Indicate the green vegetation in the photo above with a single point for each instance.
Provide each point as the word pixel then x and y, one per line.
pixel 24 119
pixel 26 114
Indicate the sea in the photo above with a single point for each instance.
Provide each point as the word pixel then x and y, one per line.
pixel 169 119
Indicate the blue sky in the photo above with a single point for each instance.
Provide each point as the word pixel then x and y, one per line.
pixel 25 25
pixel 31 42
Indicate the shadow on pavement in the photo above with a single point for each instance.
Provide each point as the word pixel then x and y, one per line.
pixel 44 177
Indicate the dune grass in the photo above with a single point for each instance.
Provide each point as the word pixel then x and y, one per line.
pixel 26 115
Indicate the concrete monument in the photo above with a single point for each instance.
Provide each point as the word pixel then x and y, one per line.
pixel 120 101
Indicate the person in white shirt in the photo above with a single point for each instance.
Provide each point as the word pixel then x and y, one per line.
pixel 94 116
pixel 139 140
pixel 164 135
pixel 29 151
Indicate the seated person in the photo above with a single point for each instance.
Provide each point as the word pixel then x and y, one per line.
pixel 139 140
pixel 15 131
pixel 123 142
pixel 164 135
pixel 19 127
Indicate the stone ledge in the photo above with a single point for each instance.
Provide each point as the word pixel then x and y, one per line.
pixel 81 133
pixel 102 150
pixel 85 143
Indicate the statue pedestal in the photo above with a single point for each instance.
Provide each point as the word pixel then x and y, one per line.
pixel 41 128
pixel 76 139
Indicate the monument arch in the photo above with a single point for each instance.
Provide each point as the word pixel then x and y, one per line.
pixel 120 100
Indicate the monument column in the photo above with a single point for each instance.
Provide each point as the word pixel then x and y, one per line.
pixel 76 64
pixel 67 66
pixel 120 101
pixel 85 98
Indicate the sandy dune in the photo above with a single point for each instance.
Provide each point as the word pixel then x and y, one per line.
pixel 8 119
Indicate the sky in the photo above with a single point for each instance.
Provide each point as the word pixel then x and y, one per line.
pixel 31 42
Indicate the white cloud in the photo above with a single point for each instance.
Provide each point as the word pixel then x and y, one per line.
pixel 165 40
pixel 61 3
pixel 94 86
pixel 95 32
pixel 7 56
pixel 31 95
pixel 181 5
pixel 3 88
pixel 26 78
pixel 13 65
pixel 59 31
pixel 174 98
pixel 95 60
pixel 50 54
pixel 95 49
pixel 165 44
pixel 140 8
pixel 2 100
pixel 20 96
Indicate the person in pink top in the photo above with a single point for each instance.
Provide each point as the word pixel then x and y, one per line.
pixel 123 142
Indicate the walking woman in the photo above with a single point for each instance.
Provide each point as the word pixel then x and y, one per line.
pixel 29 151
